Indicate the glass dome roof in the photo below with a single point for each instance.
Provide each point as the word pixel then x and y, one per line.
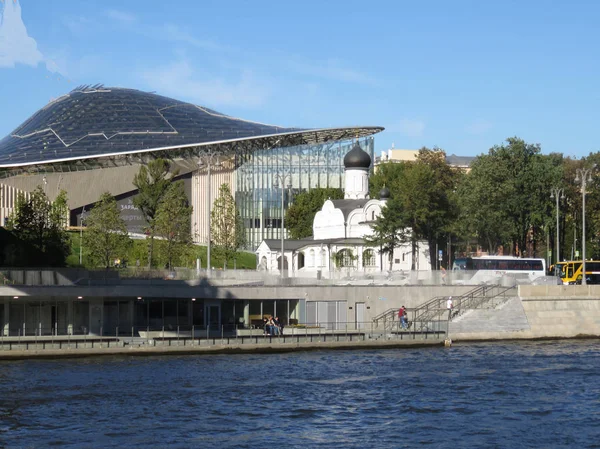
pixel 97 121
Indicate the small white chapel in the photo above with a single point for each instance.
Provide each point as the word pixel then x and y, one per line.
pixel 338 243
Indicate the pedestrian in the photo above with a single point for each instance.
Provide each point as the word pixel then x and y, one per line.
pixel 400 314
pixel 449 306
pixel 403 320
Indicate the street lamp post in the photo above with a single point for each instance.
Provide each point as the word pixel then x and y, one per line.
pixel 584 175
pixel 81 218
pixel 208 160
pixel 281 178
pixel 557 193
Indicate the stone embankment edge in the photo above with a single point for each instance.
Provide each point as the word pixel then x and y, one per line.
pixel 216 349
pixel 515 336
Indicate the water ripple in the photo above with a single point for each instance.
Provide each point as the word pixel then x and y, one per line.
pixel 518 394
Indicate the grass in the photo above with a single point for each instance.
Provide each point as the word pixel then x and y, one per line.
pixel 139 251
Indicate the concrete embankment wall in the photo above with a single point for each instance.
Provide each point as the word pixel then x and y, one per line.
pixel 550 311
pixel 224 349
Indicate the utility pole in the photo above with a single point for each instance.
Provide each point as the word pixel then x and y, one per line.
pixel 584 175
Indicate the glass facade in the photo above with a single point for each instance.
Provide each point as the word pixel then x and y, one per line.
pixel 258 186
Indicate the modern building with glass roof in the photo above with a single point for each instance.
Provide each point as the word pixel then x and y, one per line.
pixel 95 138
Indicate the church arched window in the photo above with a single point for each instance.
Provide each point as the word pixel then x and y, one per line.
pixel 345 258
pixel 311 258
pixel 368 258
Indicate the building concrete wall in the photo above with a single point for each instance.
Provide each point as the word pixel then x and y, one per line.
pixel 551 311
pixel 562 310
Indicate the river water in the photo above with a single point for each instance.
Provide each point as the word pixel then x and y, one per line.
pixel 510 394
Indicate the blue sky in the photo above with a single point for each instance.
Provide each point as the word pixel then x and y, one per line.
pixel 461 75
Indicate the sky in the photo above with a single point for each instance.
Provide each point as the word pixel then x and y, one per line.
pixel 460 75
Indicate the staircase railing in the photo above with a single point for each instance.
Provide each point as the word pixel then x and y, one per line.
pixel 387 319
pixel 481 297
pixel 434 310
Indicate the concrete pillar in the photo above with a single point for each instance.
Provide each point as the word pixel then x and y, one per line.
pixel 70 317
pixel 6 324
pixel 246 313
pixel 131 313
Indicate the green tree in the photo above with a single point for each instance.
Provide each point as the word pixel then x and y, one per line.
pixel 300 216
pixel 41 223
pixel 173 222
pixel 424 202
pixel 106 232
pixel 152 182
pixel 429 198
pixel 504 200
pixel 390 230
pixel 226 224
pixel 387 174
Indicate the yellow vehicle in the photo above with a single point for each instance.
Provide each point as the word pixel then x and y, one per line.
pixel 556 269
pixel 572 272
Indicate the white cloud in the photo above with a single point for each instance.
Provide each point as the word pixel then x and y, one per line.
pixel 408 127
pixel 180 80
pixel 121 16
pixel 77 24
pixel 478 126
pixel 174 33
pixel 330 69
pixel 16 46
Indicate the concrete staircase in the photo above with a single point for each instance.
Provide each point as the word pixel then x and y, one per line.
pixel 508 316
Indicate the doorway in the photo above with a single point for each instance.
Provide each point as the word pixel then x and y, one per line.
pixel 360 315
pixel 212 314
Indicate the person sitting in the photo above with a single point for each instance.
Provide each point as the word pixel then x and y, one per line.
pixel 273 326
pixel 279 325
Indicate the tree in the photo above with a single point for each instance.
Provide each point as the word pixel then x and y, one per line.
pixel 152 182
pixel 390 230
pixel 300 216
pixel 57 242
pixel 173 221
pixel 423 193
pixel 429 198
pixel 40 223
pixel 227 227
pixel 504 200
pixel 106 233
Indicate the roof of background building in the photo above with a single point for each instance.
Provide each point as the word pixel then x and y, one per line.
pixel 461 161
pixel 97 121
pixel 294 245
pixel 398 155
pixel 348 205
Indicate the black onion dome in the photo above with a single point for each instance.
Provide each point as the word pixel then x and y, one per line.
pixel 357 158
pixel 384 193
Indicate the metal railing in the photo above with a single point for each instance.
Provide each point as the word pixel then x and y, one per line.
pixel 139 275
pixel 434 310
pixel 219 335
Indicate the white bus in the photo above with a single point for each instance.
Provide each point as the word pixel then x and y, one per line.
pixel 491 269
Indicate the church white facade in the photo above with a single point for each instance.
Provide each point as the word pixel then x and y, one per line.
pixel 339 228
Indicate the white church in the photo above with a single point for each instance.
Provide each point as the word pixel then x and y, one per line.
pixel 339 228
